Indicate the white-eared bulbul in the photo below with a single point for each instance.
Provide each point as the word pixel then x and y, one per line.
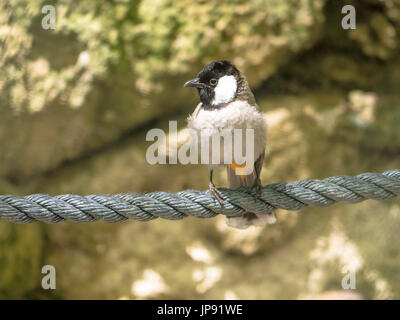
pixel 226 104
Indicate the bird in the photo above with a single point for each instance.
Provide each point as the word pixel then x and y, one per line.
pixel 228 104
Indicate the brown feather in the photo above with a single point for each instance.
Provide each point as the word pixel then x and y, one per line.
pixel 235 181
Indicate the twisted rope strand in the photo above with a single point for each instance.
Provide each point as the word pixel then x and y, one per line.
pixel 175 206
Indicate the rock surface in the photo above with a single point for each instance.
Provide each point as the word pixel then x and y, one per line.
pixel 76 103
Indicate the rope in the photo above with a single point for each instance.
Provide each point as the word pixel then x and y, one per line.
pixel 175 206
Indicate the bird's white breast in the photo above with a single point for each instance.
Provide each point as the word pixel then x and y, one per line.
pixel 236 115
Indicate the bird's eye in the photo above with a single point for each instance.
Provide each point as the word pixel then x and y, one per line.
pixel 213 81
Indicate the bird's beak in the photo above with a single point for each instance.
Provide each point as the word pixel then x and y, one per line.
pixel 195 83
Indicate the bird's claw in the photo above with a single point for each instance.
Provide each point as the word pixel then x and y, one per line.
pixel 257 186
pixel 215 193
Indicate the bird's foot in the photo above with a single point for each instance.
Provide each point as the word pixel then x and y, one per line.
pixel 215 193
pixel 257 186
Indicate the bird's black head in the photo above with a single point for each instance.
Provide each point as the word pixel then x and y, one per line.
pixel 217 84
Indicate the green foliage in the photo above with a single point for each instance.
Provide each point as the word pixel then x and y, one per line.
pixel 150 38
pixel 378 31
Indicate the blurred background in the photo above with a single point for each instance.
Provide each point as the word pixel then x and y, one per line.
pixel 76 103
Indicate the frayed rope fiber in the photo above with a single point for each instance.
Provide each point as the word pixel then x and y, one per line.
pixel 175 206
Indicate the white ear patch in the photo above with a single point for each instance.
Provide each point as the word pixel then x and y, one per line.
pixel 225 90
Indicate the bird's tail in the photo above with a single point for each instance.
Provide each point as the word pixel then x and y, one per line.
pixel 235 181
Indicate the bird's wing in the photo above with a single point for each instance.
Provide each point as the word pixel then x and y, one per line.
pixel 248 218
pixel 235 181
